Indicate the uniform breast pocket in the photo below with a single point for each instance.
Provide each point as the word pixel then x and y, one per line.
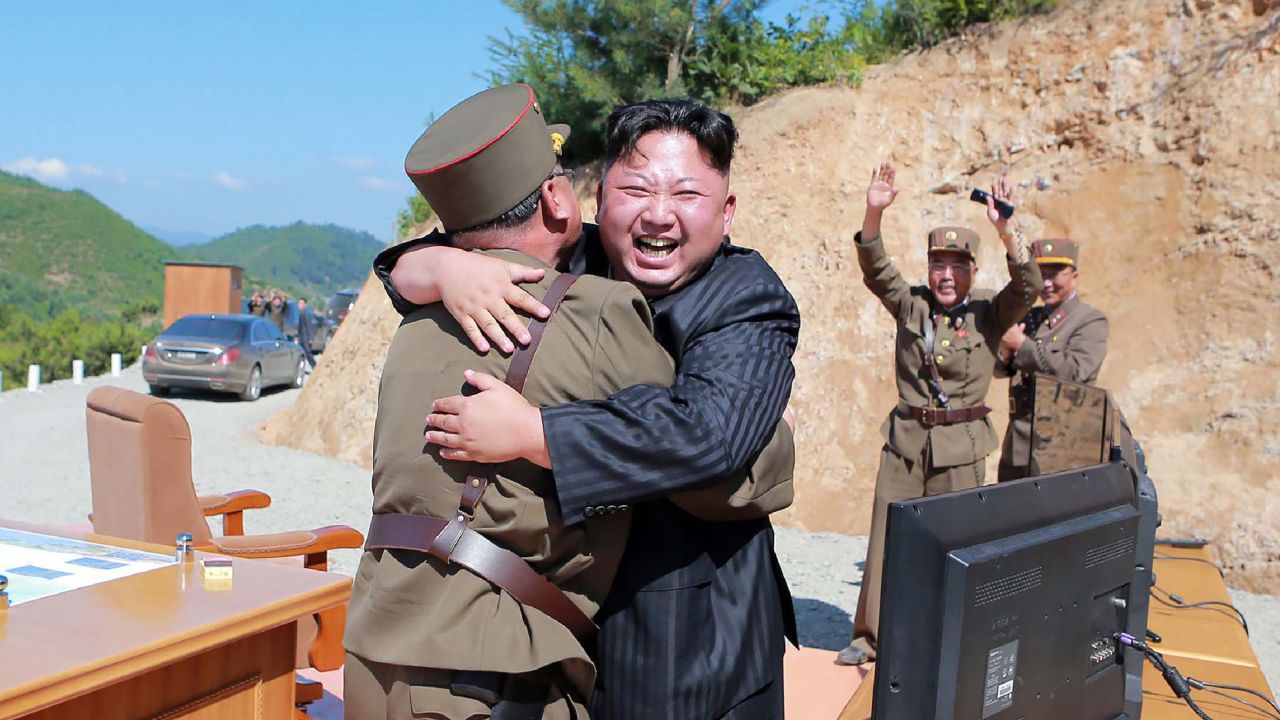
pixel 910 345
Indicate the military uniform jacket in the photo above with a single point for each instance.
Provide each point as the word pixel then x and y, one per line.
pixel 410 609
pixel 966 340
pixel 1069 343
pixel 697 616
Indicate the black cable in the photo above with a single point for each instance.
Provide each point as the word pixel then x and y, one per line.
pixel 1183 606
pixel 1177 683
pixel 1206 684
pixel 1202 561
pixel 1210 604
pixel 1235 613
pixel 1242 701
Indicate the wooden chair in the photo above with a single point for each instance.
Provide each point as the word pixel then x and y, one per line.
pixel 140 471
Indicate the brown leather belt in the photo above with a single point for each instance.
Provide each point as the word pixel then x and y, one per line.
pixel 929 417
pixel 475 552
pixel 453 541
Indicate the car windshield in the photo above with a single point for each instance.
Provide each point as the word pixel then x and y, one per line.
pixel 206 327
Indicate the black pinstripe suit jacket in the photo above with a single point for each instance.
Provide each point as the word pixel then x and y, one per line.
pixel 697 617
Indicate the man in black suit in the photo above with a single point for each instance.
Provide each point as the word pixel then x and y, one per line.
pixel 694 625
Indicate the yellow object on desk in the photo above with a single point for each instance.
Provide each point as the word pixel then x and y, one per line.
pixel 215 569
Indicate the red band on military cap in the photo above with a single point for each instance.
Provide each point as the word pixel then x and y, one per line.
pixel 482 148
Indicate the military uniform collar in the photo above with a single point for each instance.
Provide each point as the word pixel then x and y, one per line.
pixel 935 309
pixel 1058 314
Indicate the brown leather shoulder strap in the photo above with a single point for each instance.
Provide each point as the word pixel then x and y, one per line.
pixel 453 541
pixel 481 474
pixel 522 361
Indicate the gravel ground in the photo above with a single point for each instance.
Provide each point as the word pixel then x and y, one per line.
pixel 44 478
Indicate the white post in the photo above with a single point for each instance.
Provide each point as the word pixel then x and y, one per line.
pixel 115 364
pixel 77 372
pixel 33 378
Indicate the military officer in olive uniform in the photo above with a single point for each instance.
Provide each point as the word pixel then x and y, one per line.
pixel 1064 337
pixel 937 437
pixel 429 632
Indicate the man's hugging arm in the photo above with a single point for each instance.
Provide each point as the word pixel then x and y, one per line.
pixel 648 441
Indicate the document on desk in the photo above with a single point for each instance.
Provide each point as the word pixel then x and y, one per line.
pixel 38 566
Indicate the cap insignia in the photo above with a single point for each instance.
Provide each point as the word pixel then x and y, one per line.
pixel 951 235
pixel 536 107
pixel 1048 247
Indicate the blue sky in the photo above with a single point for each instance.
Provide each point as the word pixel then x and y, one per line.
pixel 205 117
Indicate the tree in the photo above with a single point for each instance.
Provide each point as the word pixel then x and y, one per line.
pixel 586 57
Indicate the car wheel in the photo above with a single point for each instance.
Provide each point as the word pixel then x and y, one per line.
pixel 301 373
pixel 159 390
pixel 253 389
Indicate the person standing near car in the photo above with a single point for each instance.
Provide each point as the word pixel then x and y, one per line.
pixel 305 332
pixel 277 310
pixel 257 303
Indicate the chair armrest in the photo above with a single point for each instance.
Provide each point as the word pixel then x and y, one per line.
pixel 231 507
pixel 313 544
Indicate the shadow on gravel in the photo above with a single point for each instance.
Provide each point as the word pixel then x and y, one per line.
pixel 822 625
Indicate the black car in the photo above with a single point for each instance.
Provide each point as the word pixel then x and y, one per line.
pixel 336 311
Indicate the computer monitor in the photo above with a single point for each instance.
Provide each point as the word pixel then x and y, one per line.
pixel 1003 601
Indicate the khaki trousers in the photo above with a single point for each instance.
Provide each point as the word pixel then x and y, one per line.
pixel 899 479
pixel 378 691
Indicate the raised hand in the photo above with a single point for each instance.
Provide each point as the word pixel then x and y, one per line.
pixel 1001 189
pixel 881 192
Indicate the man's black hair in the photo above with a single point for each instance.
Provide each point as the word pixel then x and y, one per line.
pixel 713 130
pixel 515 217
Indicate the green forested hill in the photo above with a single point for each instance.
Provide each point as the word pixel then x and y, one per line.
pixel 63 249
pixel 301 259
pixel 78 281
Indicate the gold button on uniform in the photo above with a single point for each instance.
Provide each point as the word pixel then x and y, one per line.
pixel 946 320
pixel 946 343
pixel 938 360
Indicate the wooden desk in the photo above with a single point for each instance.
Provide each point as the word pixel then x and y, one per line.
pixel 160 644
pixel 1201 643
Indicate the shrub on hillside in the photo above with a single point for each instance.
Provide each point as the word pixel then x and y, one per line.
pixel 53 342
pixel 586 57
pixel 922 23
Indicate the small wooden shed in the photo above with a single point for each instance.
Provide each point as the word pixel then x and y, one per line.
pixel 199 287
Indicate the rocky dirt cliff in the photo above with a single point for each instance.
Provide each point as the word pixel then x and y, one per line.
pixel 1148 130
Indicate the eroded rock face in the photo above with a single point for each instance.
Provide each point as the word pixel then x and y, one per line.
pixel 1147 130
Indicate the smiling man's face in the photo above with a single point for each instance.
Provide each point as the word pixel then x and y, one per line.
pixel 950 277
pixel 663 211
pixel 1059 283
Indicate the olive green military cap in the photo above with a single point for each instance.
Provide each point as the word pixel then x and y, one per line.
pixel 485 155
pixel 954 239
pixel 1056 252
